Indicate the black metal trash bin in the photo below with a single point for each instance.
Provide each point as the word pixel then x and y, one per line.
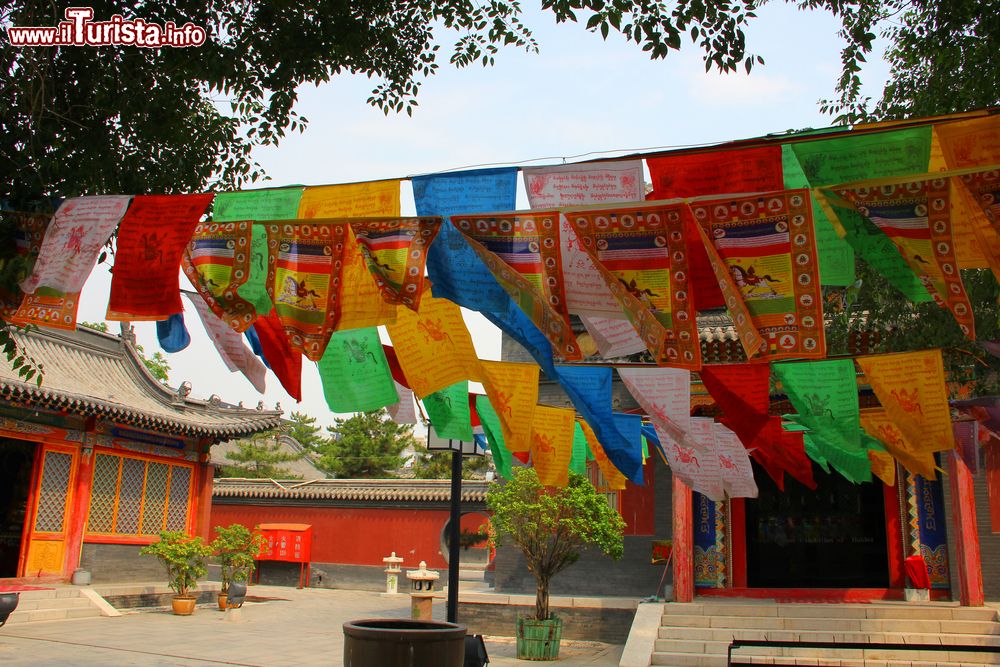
pixel 400 642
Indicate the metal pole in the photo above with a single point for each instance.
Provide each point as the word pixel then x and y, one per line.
pixel 455 534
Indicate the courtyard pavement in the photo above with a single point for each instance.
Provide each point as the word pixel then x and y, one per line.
pixel 296 627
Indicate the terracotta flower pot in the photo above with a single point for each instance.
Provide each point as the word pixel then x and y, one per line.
pixel 184 605
pixel 223 597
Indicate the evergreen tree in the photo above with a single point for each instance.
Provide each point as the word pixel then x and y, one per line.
pixel 367 445
pixel 437 465
pixel 303 428
pixel 260 457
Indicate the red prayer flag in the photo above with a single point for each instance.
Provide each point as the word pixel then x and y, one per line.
pixel 285 362
pixel 733 171
pixel 151 239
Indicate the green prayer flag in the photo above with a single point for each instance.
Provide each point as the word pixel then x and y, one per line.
pixel 645 448
pixel 862 157
pixel 836 256
pixel 825 394
pixel 578 459
pixel 449 413
pixel 494 436
pixel 354 372
pixel 254 290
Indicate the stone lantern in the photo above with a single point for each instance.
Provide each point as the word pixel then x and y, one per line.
pixel 422 595
pixel 392 571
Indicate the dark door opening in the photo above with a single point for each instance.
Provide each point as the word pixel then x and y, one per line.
pixel 16 458
pixel 833 537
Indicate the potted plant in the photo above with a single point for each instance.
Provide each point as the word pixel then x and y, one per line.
pixel 184 557
pixel 236 547
pixel 550 525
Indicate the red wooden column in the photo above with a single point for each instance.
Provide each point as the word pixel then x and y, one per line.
pixel 203 491
pixel 683 538
pixel 963 510
pixel 77 520
pixel 894 535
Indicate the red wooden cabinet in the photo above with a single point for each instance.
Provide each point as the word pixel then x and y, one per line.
pixel 289 542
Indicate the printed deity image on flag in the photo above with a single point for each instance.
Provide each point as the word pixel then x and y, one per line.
pixel 916 216
pixel 303 281
pixel 985 189
pixel 523 253
pixel 45 307
pixel 642 254
pixel 395 250
pixel 218 261
pixel 765 247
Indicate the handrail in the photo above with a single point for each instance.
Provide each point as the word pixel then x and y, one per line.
pixel 885 646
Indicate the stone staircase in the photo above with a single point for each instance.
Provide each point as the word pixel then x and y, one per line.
pixel 56 604
pixel 698 634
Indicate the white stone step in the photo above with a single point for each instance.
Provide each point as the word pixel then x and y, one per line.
pixel 839 625
pixel 728 634
pixel 56 604
pixel 886 611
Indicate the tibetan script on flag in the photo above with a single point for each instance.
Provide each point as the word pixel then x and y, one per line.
pixel 217 261
pixel 395 250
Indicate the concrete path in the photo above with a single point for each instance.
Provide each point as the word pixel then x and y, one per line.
pixel 296 627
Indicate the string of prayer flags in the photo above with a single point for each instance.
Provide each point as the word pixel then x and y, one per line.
pixel 229 345
pixel 970 143
pixel 304 281
pixel 448 412
pixel 395 250
pixel 878 425
pixel 218 261
pixel 578 459
pixel 848 158
pixel 779 451
pixel 72 241
pixel 282 359
pixel 765 246
pixel 614 338
pixel 522 252
pixel 254 290
pixel 351 200
pixel 552 444
pixel 825 395
pixel 151 239
pixel 494 435
pixel 456 271
pixel 641 252
pixel 548 188
pixel 433 346
pixel 172 334
pixel 734 463
pixel 911 388
pixel 405 411
pixel 716 172
pixel 916 216
pixel 616 481
pixel 355 374
pixel 589 389
pixel 513 392
pixel 701 459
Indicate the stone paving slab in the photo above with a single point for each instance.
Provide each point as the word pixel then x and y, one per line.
pixel 299 627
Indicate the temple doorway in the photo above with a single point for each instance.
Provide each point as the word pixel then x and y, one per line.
pixel 833 537
pixel 16 459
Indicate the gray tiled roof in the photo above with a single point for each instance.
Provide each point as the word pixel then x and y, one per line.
pixel 303 468
pixel 88 372
pixel 369 490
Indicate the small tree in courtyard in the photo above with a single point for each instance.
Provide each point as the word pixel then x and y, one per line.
pixel 551 525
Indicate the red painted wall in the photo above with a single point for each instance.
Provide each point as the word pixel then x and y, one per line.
pixel 354 536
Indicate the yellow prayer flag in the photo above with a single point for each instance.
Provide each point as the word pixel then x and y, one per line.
pixel 877 424
pixel 361 302
pixel 552 444
pixel 883 466
pixel 513 392
pixel 970 143
pixel 911 388
pixel 434 346
pixel 355 200
pixel 616 480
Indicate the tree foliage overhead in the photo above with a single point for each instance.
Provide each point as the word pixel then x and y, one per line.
pixel 367 445
pixel 550 526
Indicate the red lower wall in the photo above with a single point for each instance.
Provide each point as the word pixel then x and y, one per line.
pixel 356 536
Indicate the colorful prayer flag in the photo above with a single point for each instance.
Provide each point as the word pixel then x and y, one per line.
pixel 172 334
pixel 304 281
pixel 766 246
pixel 229 345
pixel 433 346
pixel 361 302
pixel 218 262
pixel 552 444
pixel 641 252
pixel 395 250
pixel 578 459
pixel 615 479
pixel 355 374
pixel 73 239
pixel 405 411
pixel 734 463
pixel 448 412
pixel 876 422
pixel 494 436
pixel 513 391
pixel 354 200
pixel 281 358
pixel 522 250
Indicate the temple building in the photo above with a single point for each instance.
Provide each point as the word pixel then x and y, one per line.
pixel 100 457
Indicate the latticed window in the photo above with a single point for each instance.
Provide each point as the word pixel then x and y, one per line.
pixel 133 497
pixel 52 492
pixel 600 484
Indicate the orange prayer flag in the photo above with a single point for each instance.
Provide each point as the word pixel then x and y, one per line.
pixel 615 479
pixel 354 200
pixel 552 444
pixel 876 423
pixel 513 392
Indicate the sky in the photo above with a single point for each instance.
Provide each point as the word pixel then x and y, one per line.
pixel 580 98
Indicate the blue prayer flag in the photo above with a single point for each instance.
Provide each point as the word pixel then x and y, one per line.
pixel 172 333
